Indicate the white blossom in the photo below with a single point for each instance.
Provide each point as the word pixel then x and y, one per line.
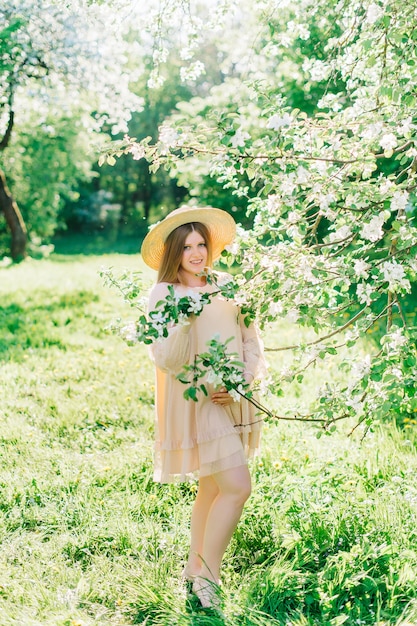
pixel 364 292
pixel 351 335
pixel 395 371
pixel 394 273
pixel 294 233
pixel 157 317
pixel 361 268
pixel 341 233
pixel 285 39
pixel 372 131
pixel 356 403
pixel 406 126
pixel 137 151
pixel 186 53
pixel 239 138
pixel 399 200
pixel 214 378
pixel 372 231
pixel 330 101
pixel 287 285
pixel 288 185
pixel 233 248
pixel 368 168
pixel 325 200
pixel 395 340
pixel 293 217
pixel 408 235
pixel 303 175
pixel 160 55
pixel 303 32
pixel 129 332
pixel 361 368
pixel 386 186
pixel 192 71
pixel 273 204
pixel 318 70
pixel 275 308
pixel 168 136
pixel 183 319
pixel 234 393
pixel 374 12
pixel 388 141
pixel 155 79
pixel 276 121
pixel 195 305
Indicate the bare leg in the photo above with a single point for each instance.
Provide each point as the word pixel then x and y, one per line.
pixel 207 493
pixel 234 487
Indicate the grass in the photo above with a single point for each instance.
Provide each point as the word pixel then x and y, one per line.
pixel 327 538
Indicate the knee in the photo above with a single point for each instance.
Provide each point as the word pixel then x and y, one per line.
pixel 245 491
pixel 241 490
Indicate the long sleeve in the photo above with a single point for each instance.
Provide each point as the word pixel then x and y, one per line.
pixel 253 353
pixel 169 353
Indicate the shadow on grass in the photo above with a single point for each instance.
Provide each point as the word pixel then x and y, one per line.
pixel 34 326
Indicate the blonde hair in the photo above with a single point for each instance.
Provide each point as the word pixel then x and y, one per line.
pixel 174 248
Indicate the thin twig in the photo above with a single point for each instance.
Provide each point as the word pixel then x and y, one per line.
pixel 321 339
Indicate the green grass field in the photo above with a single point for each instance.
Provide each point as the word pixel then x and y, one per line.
pixel 328 537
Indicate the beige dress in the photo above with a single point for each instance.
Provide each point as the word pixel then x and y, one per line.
pixel 202 438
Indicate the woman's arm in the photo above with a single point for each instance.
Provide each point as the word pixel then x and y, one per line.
pixel 253 351
pixel 169 353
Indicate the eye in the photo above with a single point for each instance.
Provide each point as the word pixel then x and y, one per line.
pixel 187 247
pixel 201 245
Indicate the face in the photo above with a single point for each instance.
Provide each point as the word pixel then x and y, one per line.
pixel 194 256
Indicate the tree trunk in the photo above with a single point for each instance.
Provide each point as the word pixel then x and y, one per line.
pixel 14 220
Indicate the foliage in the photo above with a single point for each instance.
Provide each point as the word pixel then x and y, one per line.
pixel 173 310
pixel 61 81
pixel 216 366
pixel 140 191
pixel 51 162
pixel 328 535
pixel 333 244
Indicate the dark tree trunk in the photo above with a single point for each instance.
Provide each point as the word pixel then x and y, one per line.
pixel 14 220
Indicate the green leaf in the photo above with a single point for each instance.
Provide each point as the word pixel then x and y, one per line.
pixel 191 394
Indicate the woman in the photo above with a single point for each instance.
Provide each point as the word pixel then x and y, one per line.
pixel 213 437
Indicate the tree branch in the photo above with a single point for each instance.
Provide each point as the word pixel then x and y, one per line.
pixel 321 339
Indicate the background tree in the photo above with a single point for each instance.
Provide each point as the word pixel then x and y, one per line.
pixel 60 67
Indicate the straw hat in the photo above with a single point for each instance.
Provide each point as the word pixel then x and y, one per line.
pixel 221 225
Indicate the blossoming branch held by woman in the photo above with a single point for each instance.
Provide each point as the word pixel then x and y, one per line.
pixel 176 309
pixel 216 362
pixel 208 435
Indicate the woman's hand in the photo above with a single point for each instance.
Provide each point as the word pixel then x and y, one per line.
pixel 221 397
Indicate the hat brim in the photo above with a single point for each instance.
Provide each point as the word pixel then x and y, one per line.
pixel 221 225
